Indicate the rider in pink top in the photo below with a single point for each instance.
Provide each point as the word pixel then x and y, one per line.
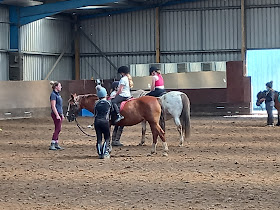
pixel 157 87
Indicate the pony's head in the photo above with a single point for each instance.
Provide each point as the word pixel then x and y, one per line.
pixel 260 95
pixel 73 107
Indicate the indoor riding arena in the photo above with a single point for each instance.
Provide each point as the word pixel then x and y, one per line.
pixel 231 160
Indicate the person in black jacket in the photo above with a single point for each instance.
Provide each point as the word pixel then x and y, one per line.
pixel 269 103
pixel 101 122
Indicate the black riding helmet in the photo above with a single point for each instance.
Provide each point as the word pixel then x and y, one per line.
pixel 269 84
pixel 152 69
pixel 123 69
pixel 114 85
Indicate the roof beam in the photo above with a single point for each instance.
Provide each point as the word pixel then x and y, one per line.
pixel 30 14
pixel 133 9
pixel 60 6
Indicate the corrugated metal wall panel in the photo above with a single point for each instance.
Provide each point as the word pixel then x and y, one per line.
pixel 46 35
pixel 199 57
pixel 180 30
pixel 4 66
pixel 263 27
pixel 36 67
pixel 4 43
pixel 128 32
pixel 98 67
pixel 221 29
pixel 206 3
pixel 4 28
pixel 262 2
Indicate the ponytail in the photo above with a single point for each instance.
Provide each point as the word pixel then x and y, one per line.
pixel 130 80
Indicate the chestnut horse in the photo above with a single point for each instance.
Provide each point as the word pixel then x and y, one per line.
pixel 146 108
pixel 262 94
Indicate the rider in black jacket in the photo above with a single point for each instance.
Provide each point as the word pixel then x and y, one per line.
pixel 101 122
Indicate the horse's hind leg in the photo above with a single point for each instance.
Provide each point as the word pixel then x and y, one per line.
pixel 180 130
pixel 144 123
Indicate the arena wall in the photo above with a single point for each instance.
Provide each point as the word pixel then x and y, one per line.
pixel 210 93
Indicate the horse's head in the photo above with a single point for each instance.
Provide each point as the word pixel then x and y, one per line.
pixel 73 107
pixel 260 95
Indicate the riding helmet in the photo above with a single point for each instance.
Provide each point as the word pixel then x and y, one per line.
pixel 123 69
pixel 101 91
pixel 269 84
pixel 114 85
pixel 152 69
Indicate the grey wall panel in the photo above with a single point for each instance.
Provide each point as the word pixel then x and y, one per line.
pixel 199 57
pixel 221 29
pixel 180 30
pixel 203 4
pixel 97 67
pixel 262 2
pixel 128 32
pixel 4 28
pixel 46 35
pixel 263 27
pixel 36 67
pixel 4 66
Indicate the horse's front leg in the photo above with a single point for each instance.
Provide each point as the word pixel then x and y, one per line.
pixel 155 135
pixel 144 123
pixel 278 123
pixel 164 144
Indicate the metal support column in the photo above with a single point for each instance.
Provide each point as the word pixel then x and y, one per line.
pixel 157 36
pixel 77 51
pixel 243 34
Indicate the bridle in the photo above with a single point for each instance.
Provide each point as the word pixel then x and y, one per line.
pixel 73 117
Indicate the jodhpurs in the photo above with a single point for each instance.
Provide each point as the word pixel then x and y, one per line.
pixel 117 100
pixel 57 126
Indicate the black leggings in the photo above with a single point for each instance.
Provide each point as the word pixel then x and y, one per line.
pixel 102 127
pixel 156 93
pixel 117 100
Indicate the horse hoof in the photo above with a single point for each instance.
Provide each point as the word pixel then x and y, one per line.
pixel 180 145
pixel 141 144
pixel 165 154
pixel 149 154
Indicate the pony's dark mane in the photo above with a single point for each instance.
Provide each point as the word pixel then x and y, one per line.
pixel 88 95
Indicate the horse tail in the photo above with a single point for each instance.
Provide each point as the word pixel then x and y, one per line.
pixel 162 117
pixel 185 115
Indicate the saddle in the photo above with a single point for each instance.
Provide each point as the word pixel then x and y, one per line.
pixel 124 102
pixel 113 114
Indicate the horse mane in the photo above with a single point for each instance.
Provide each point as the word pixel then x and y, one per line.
pixel 89 95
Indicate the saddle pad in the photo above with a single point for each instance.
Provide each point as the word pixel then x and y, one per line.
pixel 124 102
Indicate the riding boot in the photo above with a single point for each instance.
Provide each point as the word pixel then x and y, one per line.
pixel 105 151
pixel 99 151
pixel 52 147
pixel 57 146
pixel 117 136
pixel 119 116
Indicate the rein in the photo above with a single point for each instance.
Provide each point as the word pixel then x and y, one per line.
pixel 80 127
